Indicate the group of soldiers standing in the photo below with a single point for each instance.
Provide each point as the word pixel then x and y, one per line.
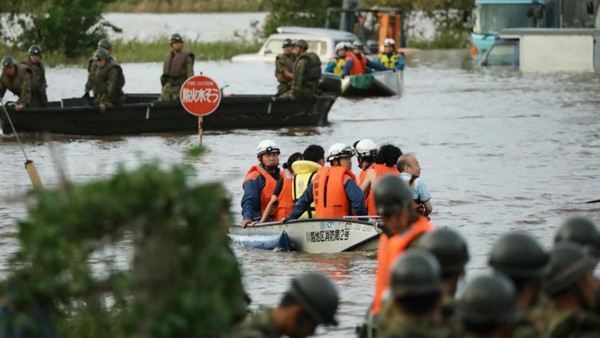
pixel 297 70
pixel 27 79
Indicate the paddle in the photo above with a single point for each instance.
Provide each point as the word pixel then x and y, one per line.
pixel 29 165
pixel 594 201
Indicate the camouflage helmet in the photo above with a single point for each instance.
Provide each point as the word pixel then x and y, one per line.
pixel 449 247
pixel 580 230
pixel 488 299
pixel 175 38
pixel 287 43
pixel 301 43
pixel 415 272
pixel 317 295
pixel 35 50
pixel 569 262
pixel 8 61
pixel 518 255
pixel 392 195
pixel 101 54
pixel 104 43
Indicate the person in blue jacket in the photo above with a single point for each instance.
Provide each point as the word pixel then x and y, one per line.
pixel 336 63
pixel 357 63
pixel 389 58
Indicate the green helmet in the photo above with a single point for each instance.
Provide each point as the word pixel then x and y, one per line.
pixel 488 299
pixel 569 262
pixel 449 247
pixel 8 61
pixel 101 54
pixel 416 272
pixel 34 50
pixel 104 44
pixel 392 195
pixel 580 230
pixel 175 38
pixel 287 43
pixel 518 255
pixel 301 43
pixel 317 295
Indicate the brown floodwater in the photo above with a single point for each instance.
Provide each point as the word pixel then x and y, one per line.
pixel 499 151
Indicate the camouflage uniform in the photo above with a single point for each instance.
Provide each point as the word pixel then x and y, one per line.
pixel 284 62
pixel 393 324
pixel 258 326
pixel 89 85
pixel 564 323
pixel 19 84
pixel 307 72
pixel 38 84
pixel 177 67
pixel 108 85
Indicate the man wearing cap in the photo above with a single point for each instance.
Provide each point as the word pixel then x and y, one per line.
pixel 359 64
pixel 333 189
pixel 284 66
pixel 336 63
pixel 108 81
pixel 38 77
pixel 389 58
pixel 178 66
pixel 104 44
pixel 311 300
pixel 260 182
pixel 307 72
pixel 16 77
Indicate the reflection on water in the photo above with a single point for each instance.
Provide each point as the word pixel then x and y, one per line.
pixel 499 152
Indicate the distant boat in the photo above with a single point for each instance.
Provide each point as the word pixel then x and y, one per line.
pixel 387 83
pixel 142 113
pixel 310 235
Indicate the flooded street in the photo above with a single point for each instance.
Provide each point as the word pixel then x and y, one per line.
pixel 499 151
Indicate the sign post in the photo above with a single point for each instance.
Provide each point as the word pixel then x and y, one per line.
pixel 200 96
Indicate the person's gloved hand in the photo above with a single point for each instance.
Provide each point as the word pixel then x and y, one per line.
pixel 19 106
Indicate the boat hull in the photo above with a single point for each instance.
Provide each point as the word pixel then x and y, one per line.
pixel 319 235
pixel 142 113
pixel 388 83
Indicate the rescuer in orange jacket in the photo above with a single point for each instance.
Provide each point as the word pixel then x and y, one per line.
pixel 333 189
pixel 402 227
pixel 358 64
pixel 282 197
pixel 365 151
pixel 260 182
pixel 385 164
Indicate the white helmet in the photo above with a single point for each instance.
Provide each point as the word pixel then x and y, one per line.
pixel 340 46
pixel 348 44
pixel 267 147
pixel 365 148
pixel 339 150
pixel 389 42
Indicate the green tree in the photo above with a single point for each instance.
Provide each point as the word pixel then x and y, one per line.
pixel 307 13
pixel 72 27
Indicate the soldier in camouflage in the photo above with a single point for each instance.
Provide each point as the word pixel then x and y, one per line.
pixel 307 72
pixel 284 66
pixel 108 81
pixel 178 66
pixel 38 77
pixel 311 299
pixel 16 77
pixel 104 44
pixel 413 307
pixel 572 289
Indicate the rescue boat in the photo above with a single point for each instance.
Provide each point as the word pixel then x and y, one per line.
pixel 311 235
pixel 387 83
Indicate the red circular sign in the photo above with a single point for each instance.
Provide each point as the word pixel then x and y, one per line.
pixel 200 95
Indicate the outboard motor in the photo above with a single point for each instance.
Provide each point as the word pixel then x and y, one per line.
pixel 330 84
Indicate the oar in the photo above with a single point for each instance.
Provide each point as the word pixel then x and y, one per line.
pixel 594 201
pixel 29 165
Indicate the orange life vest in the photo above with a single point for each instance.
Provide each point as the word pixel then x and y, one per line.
pixel 285 200
pixel 361 176
pixel 329 193
pixel 380 170
pixel 390 248
pixel 359 66
pixel 267 191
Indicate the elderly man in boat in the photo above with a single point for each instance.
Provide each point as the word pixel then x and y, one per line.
pixel 16 77
pixel 357 63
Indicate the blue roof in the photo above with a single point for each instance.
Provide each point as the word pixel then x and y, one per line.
pixel 508 2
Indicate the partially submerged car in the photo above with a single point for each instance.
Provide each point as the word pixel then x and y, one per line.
pixel 320 41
